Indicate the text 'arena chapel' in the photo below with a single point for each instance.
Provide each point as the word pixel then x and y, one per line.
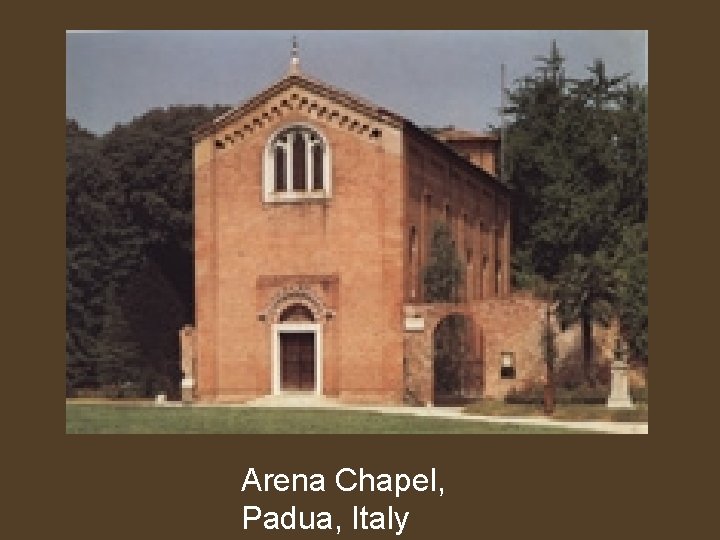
pixel 313 216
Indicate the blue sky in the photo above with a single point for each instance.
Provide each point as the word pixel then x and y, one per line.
pixel 435 77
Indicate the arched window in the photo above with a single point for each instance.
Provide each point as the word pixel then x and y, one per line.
pixel 412 248
pixel 296 165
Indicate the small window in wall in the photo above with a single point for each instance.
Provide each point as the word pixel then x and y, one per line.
pixel 413 260
pixel 413 243
pixel 507 365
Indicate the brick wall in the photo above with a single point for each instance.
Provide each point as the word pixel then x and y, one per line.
pixel 247 251
pixel 479 218
pixel 504 325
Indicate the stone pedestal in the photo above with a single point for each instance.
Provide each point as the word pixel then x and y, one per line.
pixel 619 390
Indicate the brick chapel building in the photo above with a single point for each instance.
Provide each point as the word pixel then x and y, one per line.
pixel 313 214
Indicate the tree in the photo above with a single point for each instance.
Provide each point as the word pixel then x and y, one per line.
pixel 117 356
pixel 442 276
pixel 633 289
pixel 577 157
pixel 152 157
pixel 587 293
pixel 538 165
pixel 100 250
pixel 129 241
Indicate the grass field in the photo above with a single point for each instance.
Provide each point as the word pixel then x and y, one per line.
pixel 86 418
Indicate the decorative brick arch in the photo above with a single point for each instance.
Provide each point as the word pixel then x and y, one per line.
pixel 295 294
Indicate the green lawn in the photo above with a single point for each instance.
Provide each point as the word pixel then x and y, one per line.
pixel 86 418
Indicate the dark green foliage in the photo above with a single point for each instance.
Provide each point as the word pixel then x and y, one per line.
pixel 117 354
pixel 129 249
pixel 155 313
pixel 586 293
pixel 100 249
pixel 442 276
pixel 450 348
pixel 639 394
pixel 577 158
pixel 632 292
pixel 152 157
pixel 581 395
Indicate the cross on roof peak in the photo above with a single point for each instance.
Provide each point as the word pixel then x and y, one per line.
pixel 294 56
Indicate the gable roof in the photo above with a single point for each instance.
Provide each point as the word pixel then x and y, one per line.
pixel 343 97
pixel 310 84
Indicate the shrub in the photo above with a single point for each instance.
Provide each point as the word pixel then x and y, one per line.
pixel 580 395
pixel 639 394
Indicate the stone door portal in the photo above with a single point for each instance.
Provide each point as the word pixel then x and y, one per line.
pixel 297 361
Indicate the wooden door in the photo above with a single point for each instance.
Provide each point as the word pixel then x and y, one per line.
pixel 297 361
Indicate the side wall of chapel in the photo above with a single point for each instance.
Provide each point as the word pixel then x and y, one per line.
pixel 441 187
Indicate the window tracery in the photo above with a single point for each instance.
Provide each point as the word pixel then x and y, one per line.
pixel 296 165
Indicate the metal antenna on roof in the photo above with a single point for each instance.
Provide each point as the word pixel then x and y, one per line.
pixel 502 123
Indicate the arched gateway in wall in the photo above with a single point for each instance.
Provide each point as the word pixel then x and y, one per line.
pixel 443 360
pixel 457 371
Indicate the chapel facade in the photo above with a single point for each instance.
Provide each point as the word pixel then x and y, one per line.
pixel 313 216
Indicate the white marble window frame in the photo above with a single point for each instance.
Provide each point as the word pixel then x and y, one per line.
pixel 290 195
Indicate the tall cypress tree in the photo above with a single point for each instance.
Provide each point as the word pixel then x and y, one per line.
pixel 442 276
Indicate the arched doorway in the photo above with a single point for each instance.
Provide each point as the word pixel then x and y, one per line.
pixel 456 371
pixel 297 351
